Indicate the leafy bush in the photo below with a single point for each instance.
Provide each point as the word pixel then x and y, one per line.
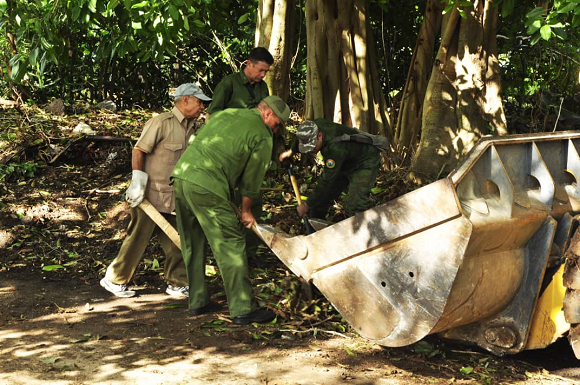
pixel 17 170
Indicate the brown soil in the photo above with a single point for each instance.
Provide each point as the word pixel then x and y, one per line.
pixel 63 330
pixel 60 228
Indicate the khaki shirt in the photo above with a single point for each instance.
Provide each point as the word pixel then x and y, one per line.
pixel 164 139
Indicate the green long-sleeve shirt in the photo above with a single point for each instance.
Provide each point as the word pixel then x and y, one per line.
pixel 235 91
pixel 340 158
pixel 231 150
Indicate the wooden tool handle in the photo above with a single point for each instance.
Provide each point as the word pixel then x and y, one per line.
pixel 160 221
pixel 296 189
pixel 239 215
pixel 307 226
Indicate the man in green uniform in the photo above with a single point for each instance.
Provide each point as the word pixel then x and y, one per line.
pixel 162 142
pixel 231 151
pixel 244 89
pixel 347 164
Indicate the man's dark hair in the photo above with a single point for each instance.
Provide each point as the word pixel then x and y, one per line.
pixel 261 54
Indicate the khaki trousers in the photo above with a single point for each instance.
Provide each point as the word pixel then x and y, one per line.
pixel 139 233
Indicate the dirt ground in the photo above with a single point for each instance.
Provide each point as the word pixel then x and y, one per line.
pixel 70 331
pixel 62 224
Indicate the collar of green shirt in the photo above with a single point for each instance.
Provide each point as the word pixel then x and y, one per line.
pixel 243 77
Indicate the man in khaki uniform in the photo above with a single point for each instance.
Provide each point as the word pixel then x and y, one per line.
pixel 161 144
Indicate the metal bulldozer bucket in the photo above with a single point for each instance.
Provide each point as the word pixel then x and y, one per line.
pixel 464 256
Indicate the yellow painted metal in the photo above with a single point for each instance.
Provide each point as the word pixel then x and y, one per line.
pixel 548 323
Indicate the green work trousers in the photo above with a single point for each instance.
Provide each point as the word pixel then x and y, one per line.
pixel 139 233
pixel 252 240
pixel 200 215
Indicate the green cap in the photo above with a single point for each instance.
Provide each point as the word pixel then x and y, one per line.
pixel 280 108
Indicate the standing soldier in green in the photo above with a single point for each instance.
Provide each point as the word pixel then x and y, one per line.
pixel 232 150
pixel 245 89
pixel 350 161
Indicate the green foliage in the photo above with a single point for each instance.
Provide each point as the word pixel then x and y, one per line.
pixel 17 170
pixel 507 6
pixel 395 25
pixel 536 66
pixel 546 24
pixel 427 350
pixel 52 267
pixel 132 51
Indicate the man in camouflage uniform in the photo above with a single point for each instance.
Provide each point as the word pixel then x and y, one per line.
pixel 347 165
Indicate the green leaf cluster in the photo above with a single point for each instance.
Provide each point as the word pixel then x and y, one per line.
pixel 132 51
pixel 545 24
pixel 17 170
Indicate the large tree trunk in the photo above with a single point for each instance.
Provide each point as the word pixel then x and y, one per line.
pixel 274 31
pixel 462 102
pixel 342 80
pixel 409 120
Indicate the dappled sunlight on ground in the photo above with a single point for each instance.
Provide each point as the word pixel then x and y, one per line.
pixel 91 338
pixel 6 237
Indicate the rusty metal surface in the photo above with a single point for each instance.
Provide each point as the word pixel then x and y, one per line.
pixel 464 256
pixel 505 330
pixel 571 281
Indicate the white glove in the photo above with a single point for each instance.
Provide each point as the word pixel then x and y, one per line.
pixel 136 191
